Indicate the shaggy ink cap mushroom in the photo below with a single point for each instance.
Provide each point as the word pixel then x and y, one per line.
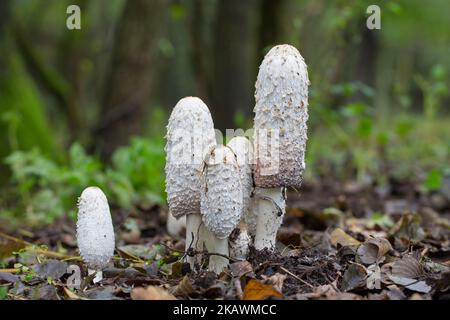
pixel 95 232
pixel 281 114
pixel 190 134
pixel 221 203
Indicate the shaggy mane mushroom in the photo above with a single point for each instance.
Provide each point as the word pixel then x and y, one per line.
pixel 190 134
pixel 281 114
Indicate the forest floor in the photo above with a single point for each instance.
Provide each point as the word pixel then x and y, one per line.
pixel 338 241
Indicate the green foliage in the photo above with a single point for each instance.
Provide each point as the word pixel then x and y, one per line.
pixel 138 172
pixel 3 292
pixel 351 139
pixel 22 119
pixel 433 89
pixel 46 190
pixel 382 220
pixel 433 180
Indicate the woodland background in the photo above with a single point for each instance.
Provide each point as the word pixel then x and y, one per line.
pixel 90 106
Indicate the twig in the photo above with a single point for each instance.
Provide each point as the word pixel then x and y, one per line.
pixel 13 296
pixel 194 252
pixel 14 239
pixel 46 253
pixel 295 277
pixel 56 255
pixel 10 270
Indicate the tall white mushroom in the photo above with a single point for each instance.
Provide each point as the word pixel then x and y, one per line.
pixel 240 240
pixel 190 134
pixel 95 232
pixel 221 203
pixel 281 113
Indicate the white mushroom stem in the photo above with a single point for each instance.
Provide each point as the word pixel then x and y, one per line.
pixel 270 205
pixel 194 237
pixel 176 227
pixel 217 248
pixel 98 275
pixel 239 243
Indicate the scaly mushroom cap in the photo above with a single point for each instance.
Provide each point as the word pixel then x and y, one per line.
pixel 221 199
pixel 243 150
pixel 190 134
pixel 95 232
pixel 281 113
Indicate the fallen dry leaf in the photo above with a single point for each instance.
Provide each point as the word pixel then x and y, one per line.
pixel 71 295
pixel 407 267
pixel 373 280
pixel 354 277
pixel 184 288
pixel 241 268
pixel 339 237
pixel 412 284
pixel 51 268
pixel 151 293
pixel 407 229
pixel 394 293
pixel 255 290
pixel 373 250
pixel 276 280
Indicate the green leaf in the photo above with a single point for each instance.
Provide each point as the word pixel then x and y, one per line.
pixel 3 293
pixel 433 180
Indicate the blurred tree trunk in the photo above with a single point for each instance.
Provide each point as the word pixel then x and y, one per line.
pixel 133 67
pixel 235 65
pixel 71 53
pixel 4 18
pixel 280 23
pixel 200 52
pixel 365 65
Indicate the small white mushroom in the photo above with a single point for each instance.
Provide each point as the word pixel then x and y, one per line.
pixel 95 232
pixel 281 114
pixel 221 203
pixel 239 243
pixel 190 134
pixel 243 149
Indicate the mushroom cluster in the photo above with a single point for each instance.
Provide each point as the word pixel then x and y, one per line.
pixel 226 196
pixel 235 194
